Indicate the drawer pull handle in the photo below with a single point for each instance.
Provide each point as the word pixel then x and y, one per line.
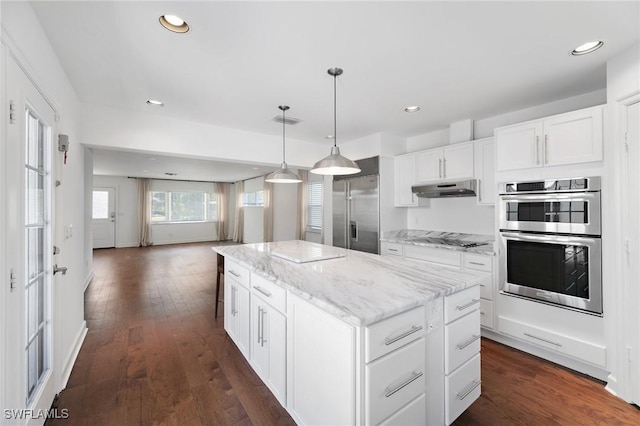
pixel 462 395
pixel 388 392
pixel 392 249
pixel 263 291
pixel 477 263
pixel 544 340
pixel 461 346
pixel 235 274
pixel 463 307
pixel 389 340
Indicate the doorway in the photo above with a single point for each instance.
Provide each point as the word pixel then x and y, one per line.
pixel 103 218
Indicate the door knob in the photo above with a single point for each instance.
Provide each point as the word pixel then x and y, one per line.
pixel 62 269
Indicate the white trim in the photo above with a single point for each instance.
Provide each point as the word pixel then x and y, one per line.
pixel 193 240
pixel 88 280
pixel 73 355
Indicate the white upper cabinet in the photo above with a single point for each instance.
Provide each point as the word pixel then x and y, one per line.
pixel 447 163
pixel 405 177
pixel 574 137
pixel 485 170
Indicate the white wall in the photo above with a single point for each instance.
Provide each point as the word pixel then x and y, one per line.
pixel 24 37
pixel 253 216
pixel 285 211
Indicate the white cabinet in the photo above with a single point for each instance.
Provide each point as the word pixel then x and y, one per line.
pixel 236 306
pixel 404 178
pixel 447 163
pixel 574 137
pixel 269 343
pixel 485 170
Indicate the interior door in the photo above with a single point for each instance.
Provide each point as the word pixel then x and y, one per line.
pixel 364 214
pixel 29 311
pixel 104 217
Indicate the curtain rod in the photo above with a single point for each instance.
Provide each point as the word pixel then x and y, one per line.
pixel 178 180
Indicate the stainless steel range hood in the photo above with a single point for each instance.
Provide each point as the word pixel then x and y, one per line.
pixel 465 188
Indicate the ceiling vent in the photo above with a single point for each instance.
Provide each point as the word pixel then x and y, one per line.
pixel 287 120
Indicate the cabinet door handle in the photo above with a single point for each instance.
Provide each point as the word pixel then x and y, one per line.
pixel 461 346
pixel 546 138
pixel 440 168
pixel 263 291
pixel 259 324
pixel 480 190
pixel 444 168
pixel 233 301
pixel 414 376
pixel 543 340
pixel 462 395
pixel 235 274
pixel 537 149
pixel 263 340
pixel 477 263
pixel 463 307
pixel 390 340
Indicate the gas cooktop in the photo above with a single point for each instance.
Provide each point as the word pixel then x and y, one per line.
pixel 446 242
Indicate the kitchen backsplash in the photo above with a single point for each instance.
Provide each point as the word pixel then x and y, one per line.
pixel 453 215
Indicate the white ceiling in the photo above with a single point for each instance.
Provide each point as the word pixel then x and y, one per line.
pixel 240 60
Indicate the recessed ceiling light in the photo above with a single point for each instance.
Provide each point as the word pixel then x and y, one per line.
pixel 174 23
pixel 587 48
pixel 152 159
pixel 414 108
pixel 145 171
pixel 254 168
pixel 155 103
pixel 329 137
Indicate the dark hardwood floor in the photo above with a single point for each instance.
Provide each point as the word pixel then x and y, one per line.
pixel 155 355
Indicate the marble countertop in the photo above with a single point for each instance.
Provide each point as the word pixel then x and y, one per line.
pixel 416 237
pixel 359 288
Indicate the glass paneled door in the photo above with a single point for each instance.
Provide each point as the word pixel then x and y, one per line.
pixel 28 359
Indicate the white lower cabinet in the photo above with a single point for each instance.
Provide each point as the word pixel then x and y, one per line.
pixel 268 346
pixel 462 387
pixel 411 414
pixel 236 306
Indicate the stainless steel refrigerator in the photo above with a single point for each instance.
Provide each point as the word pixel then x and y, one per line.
pixel 356 209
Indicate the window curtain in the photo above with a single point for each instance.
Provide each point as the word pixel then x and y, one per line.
pixel 268 212
pixel 238 232
pixel 144 216
pixel 301 225
pixel 223 191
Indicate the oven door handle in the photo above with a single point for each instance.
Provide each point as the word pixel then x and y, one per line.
pixel 559 196
pixel 549 238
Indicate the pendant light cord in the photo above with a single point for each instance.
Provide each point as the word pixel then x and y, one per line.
pixel 335 136
pixel 283 139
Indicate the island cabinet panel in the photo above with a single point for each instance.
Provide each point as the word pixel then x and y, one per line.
pixel 236 306
pixel 321 366
pixel 412 414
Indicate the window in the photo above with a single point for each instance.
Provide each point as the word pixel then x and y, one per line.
pixel 253 199
pixel 172 207
pixel 314 206
pixel 100 205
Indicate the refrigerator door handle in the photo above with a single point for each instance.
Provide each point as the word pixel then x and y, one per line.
pixel 353 230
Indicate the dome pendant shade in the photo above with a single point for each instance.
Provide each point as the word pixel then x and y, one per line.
pixel 335 164
pixel 283 174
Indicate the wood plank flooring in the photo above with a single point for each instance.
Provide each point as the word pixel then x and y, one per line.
pixel 155 355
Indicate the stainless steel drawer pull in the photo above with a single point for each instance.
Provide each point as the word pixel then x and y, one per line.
pixel 235 274
pixel 388 392
pixel 468 342
pixel 390 340
pixel 462 395
pixel 392 249
pixel 477 263
pixel 463 307
pixel 263 291
pixel 543 340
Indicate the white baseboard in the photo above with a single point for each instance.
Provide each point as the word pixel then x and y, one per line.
pixel 127 245
pixel 195 240
pixel 88 280
pixel 73 354
pixel 573 364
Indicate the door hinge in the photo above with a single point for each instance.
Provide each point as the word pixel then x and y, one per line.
pixel 12 279
pixel 12 112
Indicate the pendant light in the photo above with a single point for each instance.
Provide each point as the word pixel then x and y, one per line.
pixel 283 174
pixel 335 164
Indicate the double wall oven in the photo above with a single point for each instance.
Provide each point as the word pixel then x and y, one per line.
pixel 550 235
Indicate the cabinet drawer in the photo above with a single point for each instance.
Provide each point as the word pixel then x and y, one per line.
pixel 272 293
pixel 393 381
pixel 434 255
pixel 486 287
pixel 412 414
pixel 392 333
pixel 461 340
pixel 392 249
pixel 586 351
pixel 236 271
pixel 462 388
pixel 461 303
pixel 486 313
pixel 478 262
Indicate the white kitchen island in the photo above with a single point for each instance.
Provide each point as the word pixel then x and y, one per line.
pixel 348 338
